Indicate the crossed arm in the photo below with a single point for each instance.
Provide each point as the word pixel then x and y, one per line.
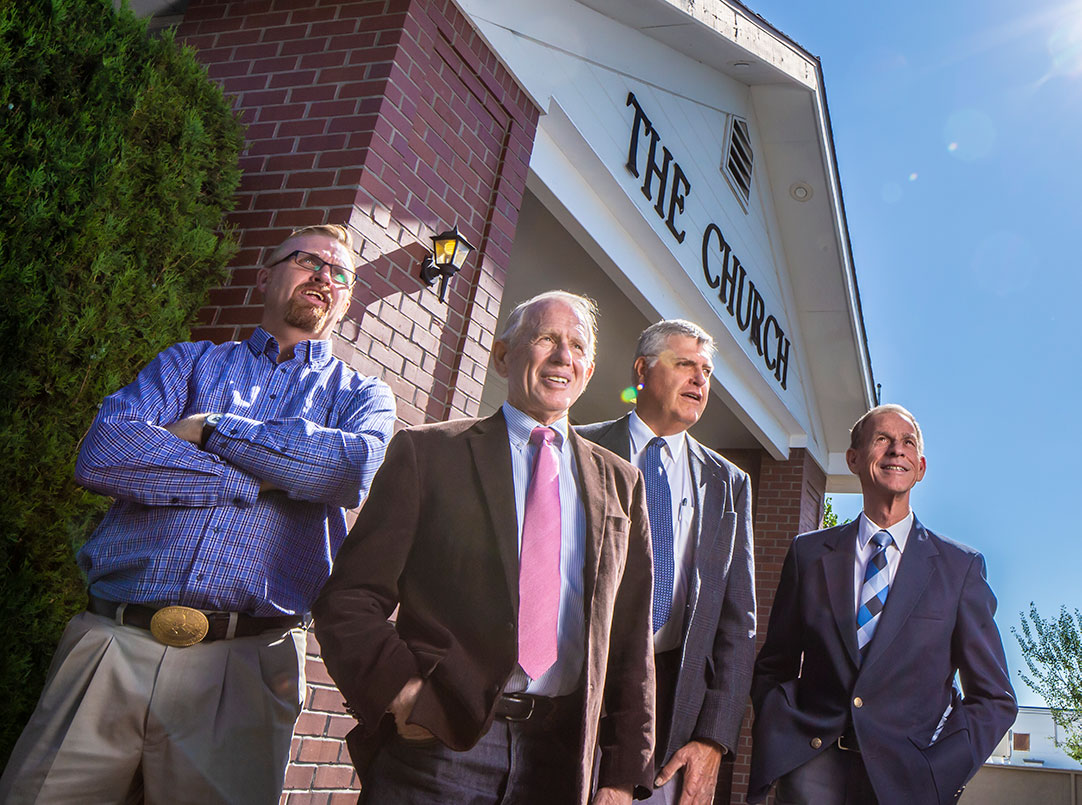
pixel 144 447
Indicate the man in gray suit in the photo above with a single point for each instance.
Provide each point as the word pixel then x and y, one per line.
pixel 704 589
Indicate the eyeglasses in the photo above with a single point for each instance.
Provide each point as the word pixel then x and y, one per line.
pixel 340 275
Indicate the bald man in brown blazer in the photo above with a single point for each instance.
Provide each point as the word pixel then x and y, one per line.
pixel 440 696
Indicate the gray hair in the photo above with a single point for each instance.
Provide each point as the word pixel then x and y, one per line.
pixel 856 433
pixel 584 307
pixel 654 339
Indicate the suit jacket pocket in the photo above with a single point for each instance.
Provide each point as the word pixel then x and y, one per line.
pixel 950 761
pixel 617 528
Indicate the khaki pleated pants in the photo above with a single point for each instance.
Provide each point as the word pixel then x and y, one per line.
pixel 124 718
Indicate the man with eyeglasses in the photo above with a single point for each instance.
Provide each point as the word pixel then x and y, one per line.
pixel 230 467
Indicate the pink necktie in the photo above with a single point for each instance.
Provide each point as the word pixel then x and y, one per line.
pixel 539 561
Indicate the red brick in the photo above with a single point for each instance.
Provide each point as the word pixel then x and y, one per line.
pixel 287 111
pixel 298 47
pixel 250 220
pixel 318 750
pixel 290 162
pixel 232 38
pixel 322 142
pixel 224 297
pixel 299 776
pixel 256 18
pixel 350 41
pixel 313 724
pixel 317 674
pixel 227 70
pixel 284 33
pixel 339 726
pixel 333 108
pixel 316 14
pixel 316 61
pixel 310 179
pixel 344 797
pixel 294 219
pixel 283 145
pixel 238 315
pixel 301 128
pixel 333 28
pixel 260 50
pixel 333 777
pixel 244 83
pixel 293 78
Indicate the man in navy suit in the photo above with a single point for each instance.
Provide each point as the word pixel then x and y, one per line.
pixel 705 645
pixel 855 692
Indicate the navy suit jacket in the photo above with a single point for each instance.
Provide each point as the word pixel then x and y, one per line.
pixel 719 633
pixel 809 681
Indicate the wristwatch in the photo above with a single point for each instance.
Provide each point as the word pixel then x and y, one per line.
pixel 209 424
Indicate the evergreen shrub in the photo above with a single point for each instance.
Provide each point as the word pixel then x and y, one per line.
pixel 118 158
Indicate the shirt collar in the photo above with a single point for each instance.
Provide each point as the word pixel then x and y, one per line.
pixel 520 426
pixel 899 532
pixel 641 434
pixel 315 351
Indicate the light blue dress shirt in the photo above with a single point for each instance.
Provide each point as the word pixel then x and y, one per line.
pixel 565 674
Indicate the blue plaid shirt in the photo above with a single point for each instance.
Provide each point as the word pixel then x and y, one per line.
pixel 189 526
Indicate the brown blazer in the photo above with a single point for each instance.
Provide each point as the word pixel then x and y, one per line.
pixel 438 538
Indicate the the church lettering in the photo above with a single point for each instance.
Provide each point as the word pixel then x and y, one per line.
pixel 736 289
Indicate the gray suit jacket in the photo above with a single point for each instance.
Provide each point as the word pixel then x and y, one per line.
pixel 719 635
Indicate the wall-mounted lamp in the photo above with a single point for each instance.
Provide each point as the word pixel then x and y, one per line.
pixel 449 252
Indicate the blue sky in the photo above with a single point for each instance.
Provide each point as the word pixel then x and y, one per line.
pixel 958 128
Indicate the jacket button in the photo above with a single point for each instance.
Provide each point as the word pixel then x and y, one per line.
pixel 816 743
pixel 858 702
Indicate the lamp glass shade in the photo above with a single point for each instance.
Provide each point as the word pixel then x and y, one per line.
pixel 450 249
pixel 443 252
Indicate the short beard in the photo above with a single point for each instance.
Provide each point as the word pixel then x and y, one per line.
pixel 304 317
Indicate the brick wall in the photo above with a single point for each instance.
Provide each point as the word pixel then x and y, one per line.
pixel 789 500
pixel 392 117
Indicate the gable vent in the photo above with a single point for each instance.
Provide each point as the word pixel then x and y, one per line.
pixel 739 159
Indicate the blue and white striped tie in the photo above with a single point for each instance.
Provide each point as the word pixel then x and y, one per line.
pixel 873 593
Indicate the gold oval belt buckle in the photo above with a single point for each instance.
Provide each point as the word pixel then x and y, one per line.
pixel 179 626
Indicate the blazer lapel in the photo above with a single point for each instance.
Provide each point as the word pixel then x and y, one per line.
pixel 592 491
pixel 838 569
pixel 491 452
pixel 912 577
pixel 708 506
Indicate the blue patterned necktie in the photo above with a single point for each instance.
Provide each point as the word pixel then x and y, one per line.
pixel 659 506
pixel 873 593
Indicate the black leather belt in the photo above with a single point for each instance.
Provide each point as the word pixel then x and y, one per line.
pixel 523 706
pixel 218 623
pixel 546 712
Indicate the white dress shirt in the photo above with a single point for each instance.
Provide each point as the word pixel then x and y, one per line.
pixel 563 676
pixel 674 458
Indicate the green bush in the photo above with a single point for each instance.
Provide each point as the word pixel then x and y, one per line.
pixel 118 158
